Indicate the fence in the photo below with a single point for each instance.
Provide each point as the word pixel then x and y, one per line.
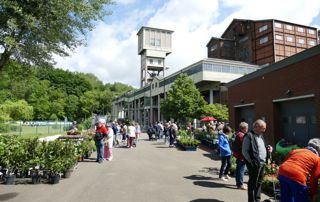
pixel 34 127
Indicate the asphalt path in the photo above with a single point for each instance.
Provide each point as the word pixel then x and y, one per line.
pixel 151 172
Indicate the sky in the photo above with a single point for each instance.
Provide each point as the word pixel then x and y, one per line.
pixel 111 51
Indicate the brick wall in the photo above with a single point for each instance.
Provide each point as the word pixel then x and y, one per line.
pixel 301 78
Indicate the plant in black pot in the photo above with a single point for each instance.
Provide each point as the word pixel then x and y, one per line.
pixel 69 158
pixel 12 157
pixel 53 160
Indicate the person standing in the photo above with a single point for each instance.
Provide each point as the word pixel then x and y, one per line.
pixel 138 131
pixel 108 140
pixel 254 151
pixel 294 172
pixel 131 135
pixel 225 153
pixel 101 132
pixel 237 153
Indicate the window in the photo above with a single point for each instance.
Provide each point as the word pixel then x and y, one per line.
pixel 301 120
pixel 243 39
pixel 154 42
pixel 279 37
pixel 301 41
pixel 151 61
pixel 214 47
pixel 289 27
pixel 263 28
pixel 289 38
pixel 157 42
pixel 300 29
pixel 311 31
pixel 278 25
pixel 312 43
pixel 264 40
pixel 159 62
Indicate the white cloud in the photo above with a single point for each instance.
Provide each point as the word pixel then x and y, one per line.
pixel 112 55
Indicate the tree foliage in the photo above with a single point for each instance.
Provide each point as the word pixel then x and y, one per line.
pixel 55 94
pixel 218 111
pixel 184 101
pixel 33 31
pixel 19 110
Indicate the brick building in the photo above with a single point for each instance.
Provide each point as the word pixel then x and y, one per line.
pixel 285 94
pixel 262 42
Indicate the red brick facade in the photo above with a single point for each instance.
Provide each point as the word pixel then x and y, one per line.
pixel 299 78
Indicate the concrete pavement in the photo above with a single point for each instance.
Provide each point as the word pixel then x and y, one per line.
pixel 151 172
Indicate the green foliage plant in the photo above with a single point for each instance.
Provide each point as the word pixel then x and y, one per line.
pixel 184 101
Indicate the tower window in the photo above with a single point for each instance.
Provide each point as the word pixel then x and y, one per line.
pixel 300 29
pixel 278 25
pixel 279 37
pixel 311 31
pixel 264 40
pixel 151 61
pixel 289 27
pixel 289 38
pixel 301 41
pixel 312 43
pixel 263 28
pixel 159 62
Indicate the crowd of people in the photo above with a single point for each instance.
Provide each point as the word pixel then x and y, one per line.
pixel 252 153
pixel 248 147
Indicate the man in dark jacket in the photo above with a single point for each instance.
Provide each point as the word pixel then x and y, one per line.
pixel 254 152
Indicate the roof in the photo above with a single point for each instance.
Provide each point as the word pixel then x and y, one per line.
pixel 216 38
pixel 158 29
pixel 247 20
pixel 278 65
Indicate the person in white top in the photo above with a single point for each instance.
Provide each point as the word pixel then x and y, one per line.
pixel 131 134
pixel 138 131
pixel 108 141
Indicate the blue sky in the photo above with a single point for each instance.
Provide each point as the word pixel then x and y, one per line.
pixel 111 50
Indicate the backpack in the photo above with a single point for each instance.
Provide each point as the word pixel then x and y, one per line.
pixel 235 144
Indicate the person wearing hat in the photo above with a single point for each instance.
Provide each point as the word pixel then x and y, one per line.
pixel 294 172
pixel 101 132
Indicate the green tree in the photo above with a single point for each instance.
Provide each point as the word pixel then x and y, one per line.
pixel 218 111
pixel 33 31
pixel 184 101
pixel 19 110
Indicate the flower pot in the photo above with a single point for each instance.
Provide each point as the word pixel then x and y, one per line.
pixel 9 179
pixel 67 173
pixel 54 179
pixel 35 178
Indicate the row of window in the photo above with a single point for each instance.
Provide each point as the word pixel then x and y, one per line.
pixel 291 39
pixel 155 42
pixel 227 68
pixel 290 27
pixel 288 39
pixel 151 61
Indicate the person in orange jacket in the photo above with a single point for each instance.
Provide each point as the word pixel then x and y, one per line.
pixel 293 173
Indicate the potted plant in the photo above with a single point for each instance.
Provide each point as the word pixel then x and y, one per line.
pixel 12 157
pixel 188 143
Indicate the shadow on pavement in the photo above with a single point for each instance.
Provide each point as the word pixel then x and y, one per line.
pixel 212 171
pixel 212 156
pixel 206 200
pixel 164 147
pixel 198 177
pixel 213 184
pixel 5 197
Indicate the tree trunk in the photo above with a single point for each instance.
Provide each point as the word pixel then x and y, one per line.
pixel 4 58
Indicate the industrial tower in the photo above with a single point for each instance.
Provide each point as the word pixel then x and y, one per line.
pixel 153 45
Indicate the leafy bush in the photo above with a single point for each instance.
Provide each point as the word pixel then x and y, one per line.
pixel 186 141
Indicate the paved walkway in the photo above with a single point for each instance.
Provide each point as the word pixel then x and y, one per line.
pixel 151 172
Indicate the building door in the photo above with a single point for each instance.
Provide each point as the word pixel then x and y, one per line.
pixel 298 120
pixel 246 114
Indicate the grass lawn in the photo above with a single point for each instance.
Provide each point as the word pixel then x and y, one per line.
pixel 27 131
